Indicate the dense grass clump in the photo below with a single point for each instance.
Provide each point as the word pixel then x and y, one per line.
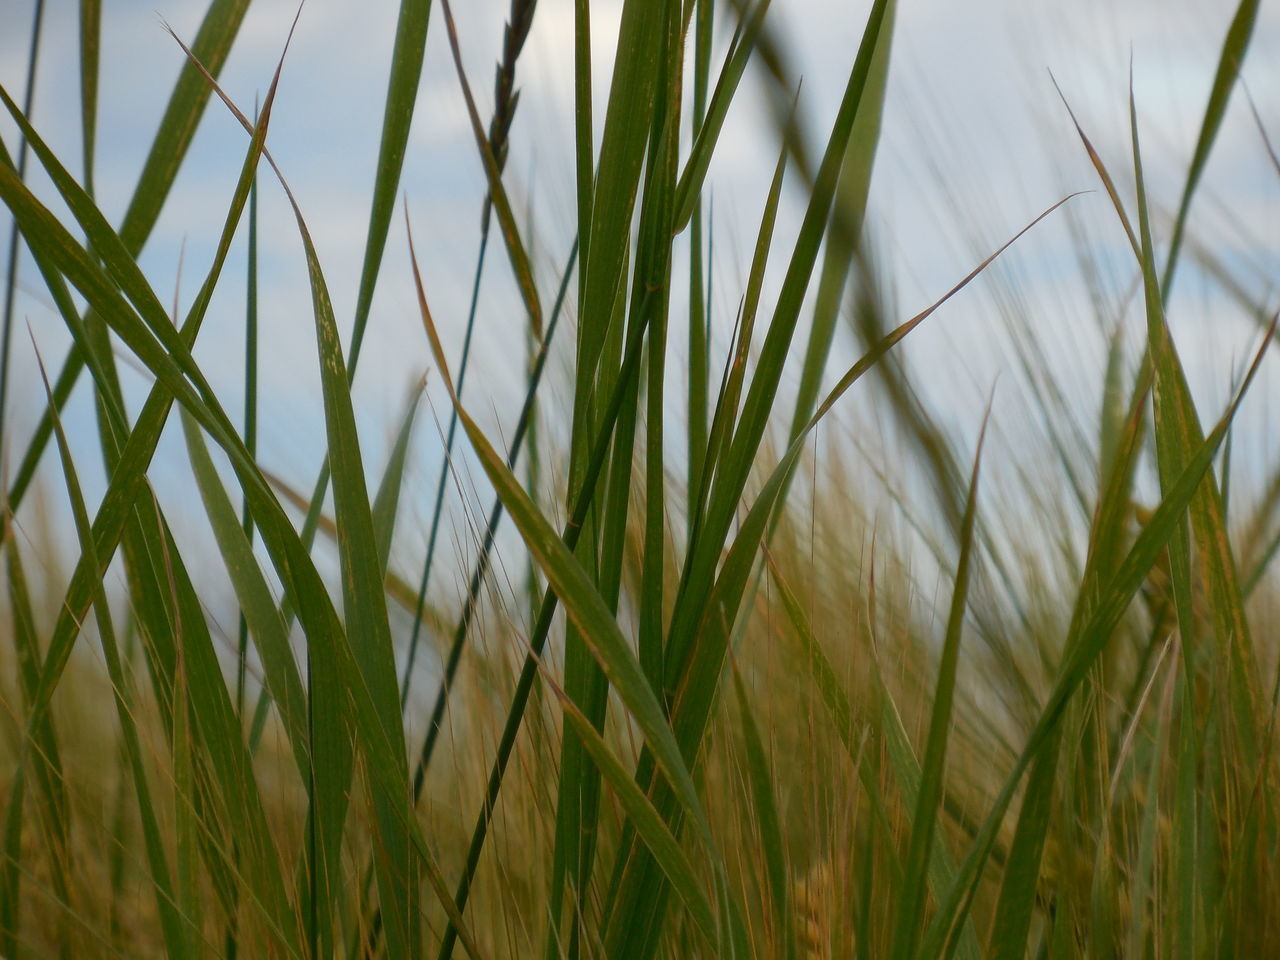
pixel 725 709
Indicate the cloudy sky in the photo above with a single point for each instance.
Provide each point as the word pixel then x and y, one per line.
pixel 976 142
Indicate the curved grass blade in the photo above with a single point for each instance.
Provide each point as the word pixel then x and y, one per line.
pixel 168 150
pixel 178 932
pixel 407 56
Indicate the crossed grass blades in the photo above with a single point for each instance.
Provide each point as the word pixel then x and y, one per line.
pixel 685 762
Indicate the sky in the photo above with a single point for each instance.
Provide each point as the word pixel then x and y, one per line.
pixel 976 142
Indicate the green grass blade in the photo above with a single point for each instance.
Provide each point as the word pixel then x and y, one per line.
pixel 649 825
pixel 911 904
pixel 777 873
pixel 387 499
pixel 1230 61
pixel 692 177
pixel 583 130
pixel 250 402
pixel 626 133
pixel 727 403
pixel 699 337
pixel 846 233
pixel 11 274
pixel 182 114
pixel 407 56
pixel 257 604
pixel 364 604
pixel 90 55
pixel 1021 878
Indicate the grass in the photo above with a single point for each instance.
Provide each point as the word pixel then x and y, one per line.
pixel 716 720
